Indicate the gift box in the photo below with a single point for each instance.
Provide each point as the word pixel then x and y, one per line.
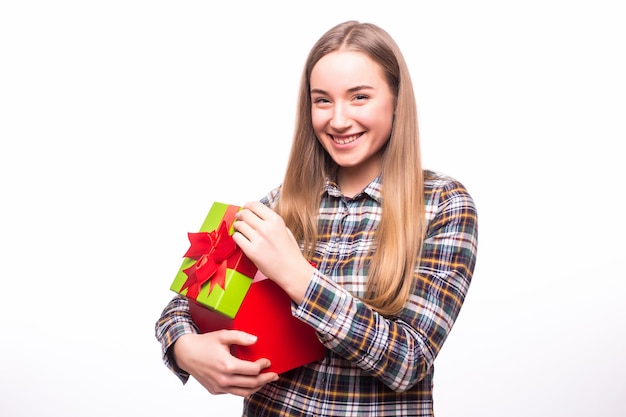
pixel 226 291
pixel 266 313
pixel 215 272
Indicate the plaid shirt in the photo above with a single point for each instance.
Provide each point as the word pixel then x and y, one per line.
pixel 374 366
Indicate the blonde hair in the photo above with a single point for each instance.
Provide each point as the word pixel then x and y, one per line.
pixel 399 237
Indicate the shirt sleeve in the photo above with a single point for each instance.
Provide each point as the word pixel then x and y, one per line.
pixel 174 322
pixel 400 350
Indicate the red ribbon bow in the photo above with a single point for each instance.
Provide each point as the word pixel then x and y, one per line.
pixel 211 250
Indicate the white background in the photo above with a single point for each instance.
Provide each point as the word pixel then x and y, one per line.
pixel 122 121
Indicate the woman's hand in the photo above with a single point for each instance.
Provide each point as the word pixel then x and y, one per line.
pixel 207 358
pixel 263 237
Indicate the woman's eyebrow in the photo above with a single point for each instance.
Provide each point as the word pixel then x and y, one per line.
pixel 350 90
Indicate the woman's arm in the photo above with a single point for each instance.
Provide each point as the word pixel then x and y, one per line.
pixel 207 356
pixel 174 322
pixel 400 350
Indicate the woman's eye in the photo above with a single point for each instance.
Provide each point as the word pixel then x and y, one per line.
pixel 320 100
pixel 360 97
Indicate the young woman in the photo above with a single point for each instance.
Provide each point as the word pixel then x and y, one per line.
pixel 394 247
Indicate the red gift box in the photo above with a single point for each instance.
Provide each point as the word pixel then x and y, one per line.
pixel 266 313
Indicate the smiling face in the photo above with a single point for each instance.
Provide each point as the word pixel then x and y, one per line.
pixel 352 111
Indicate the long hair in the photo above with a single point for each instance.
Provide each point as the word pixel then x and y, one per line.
pixel 399 237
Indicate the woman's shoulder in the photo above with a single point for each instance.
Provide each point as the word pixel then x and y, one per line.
pixel 441 188
pixel 437 179
pixel 271 198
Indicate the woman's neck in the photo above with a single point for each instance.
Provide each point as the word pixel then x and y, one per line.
pixel 352 181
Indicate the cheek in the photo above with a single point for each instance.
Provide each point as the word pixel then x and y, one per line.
pixel 318 121
pixel 381 120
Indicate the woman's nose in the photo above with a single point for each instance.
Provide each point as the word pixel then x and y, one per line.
pixel 340 119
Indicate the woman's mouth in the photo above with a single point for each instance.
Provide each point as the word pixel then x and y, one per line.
pixel 344 140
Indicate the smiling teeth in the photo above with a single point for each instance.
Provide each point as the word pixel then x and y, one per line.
pixel 344 141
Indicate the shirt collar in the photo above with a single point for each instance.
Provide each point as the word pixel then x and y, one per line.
pixel 372 190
